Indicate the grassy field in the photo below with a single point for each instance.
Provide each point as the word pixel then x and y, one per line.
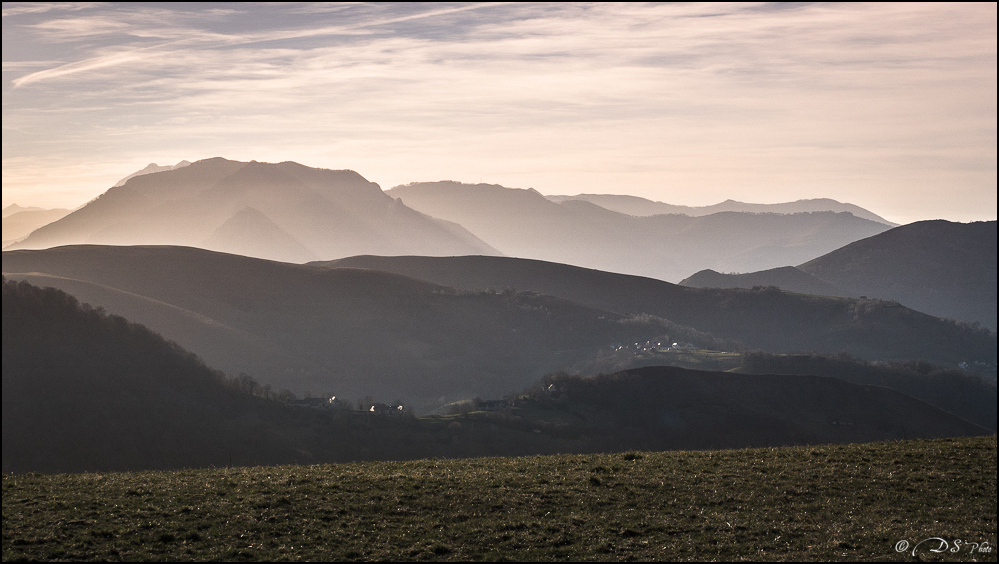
pixel 853 502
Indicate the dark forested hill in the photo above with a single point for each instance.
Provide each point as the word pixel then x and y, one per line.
pixel 523 223
pixel 679 408
pixel 83 390
pixel 284 211
pixel 762 318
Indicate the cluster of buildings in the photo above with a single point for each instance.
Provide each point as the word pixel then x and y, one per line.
pixel 333 403
pixel 651 346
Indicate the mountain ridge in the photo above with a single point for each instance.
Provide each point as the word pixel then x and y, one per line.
pixel 523 223
pixel 329 213
pixel 636 205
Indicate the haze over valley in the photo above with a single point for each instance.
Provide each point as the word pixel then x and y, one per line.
pixel 436 293
pixel 269 269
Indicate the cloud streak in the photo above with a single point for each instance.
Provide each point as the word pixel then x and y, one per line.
pixel 673 102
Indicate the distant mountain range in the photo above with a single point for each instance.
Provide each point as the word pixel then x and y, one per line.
pixel 282 211
pixel 939 267
pixel 525 224
pixel 14 208
pixel 293 213
pixel 634 205
pixel 20 223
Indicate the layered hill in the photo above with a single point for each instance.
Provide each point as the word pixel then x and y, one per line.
pixel 20 224
pixel 88 391
pixel 14 208
pixel 634 205
pixel 282 211
pixel 763 318
pixel 341 331
pixel 943 268
pixel 788 278
pixel 525 224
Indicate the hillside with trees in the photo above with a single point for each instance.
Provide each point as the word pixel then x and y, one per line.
pixel 761 318
pixel 88 391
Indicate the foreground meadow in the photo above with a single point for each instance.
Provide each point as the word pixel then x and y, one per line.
pixel 852 502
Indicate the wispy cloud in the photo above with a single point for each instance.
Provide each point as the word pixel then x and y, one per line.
pixel 719 99
pixel 13 9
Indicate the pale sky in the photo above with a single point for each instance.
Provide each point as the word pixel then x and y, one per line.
pixel 888 106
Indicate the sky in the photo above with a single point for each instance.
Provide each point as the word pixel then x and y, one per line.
pixel 888 106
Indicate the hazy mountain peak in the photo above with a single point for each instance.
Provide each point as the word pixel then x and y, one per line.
pixel 288 211
pixel 14 208
pixel 150 169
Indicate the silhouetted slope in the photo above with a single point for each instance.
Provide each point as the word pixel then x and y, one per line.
pixel 939 267
pixel 786 278
pixel 346 332
pixel 524 223
pixel 329 212
pixel 763 318
pixel 86 391
pixel 634 205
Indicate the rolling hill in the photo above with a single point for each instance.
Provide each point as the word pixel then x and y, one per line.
pixel 525 224
pixel 788 278
pixel 343 331
pixel 763 318
pixel 282 211
pixel 943 268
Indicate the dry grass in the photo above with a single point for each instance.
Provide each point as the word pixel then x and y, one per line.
pixel 852 502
